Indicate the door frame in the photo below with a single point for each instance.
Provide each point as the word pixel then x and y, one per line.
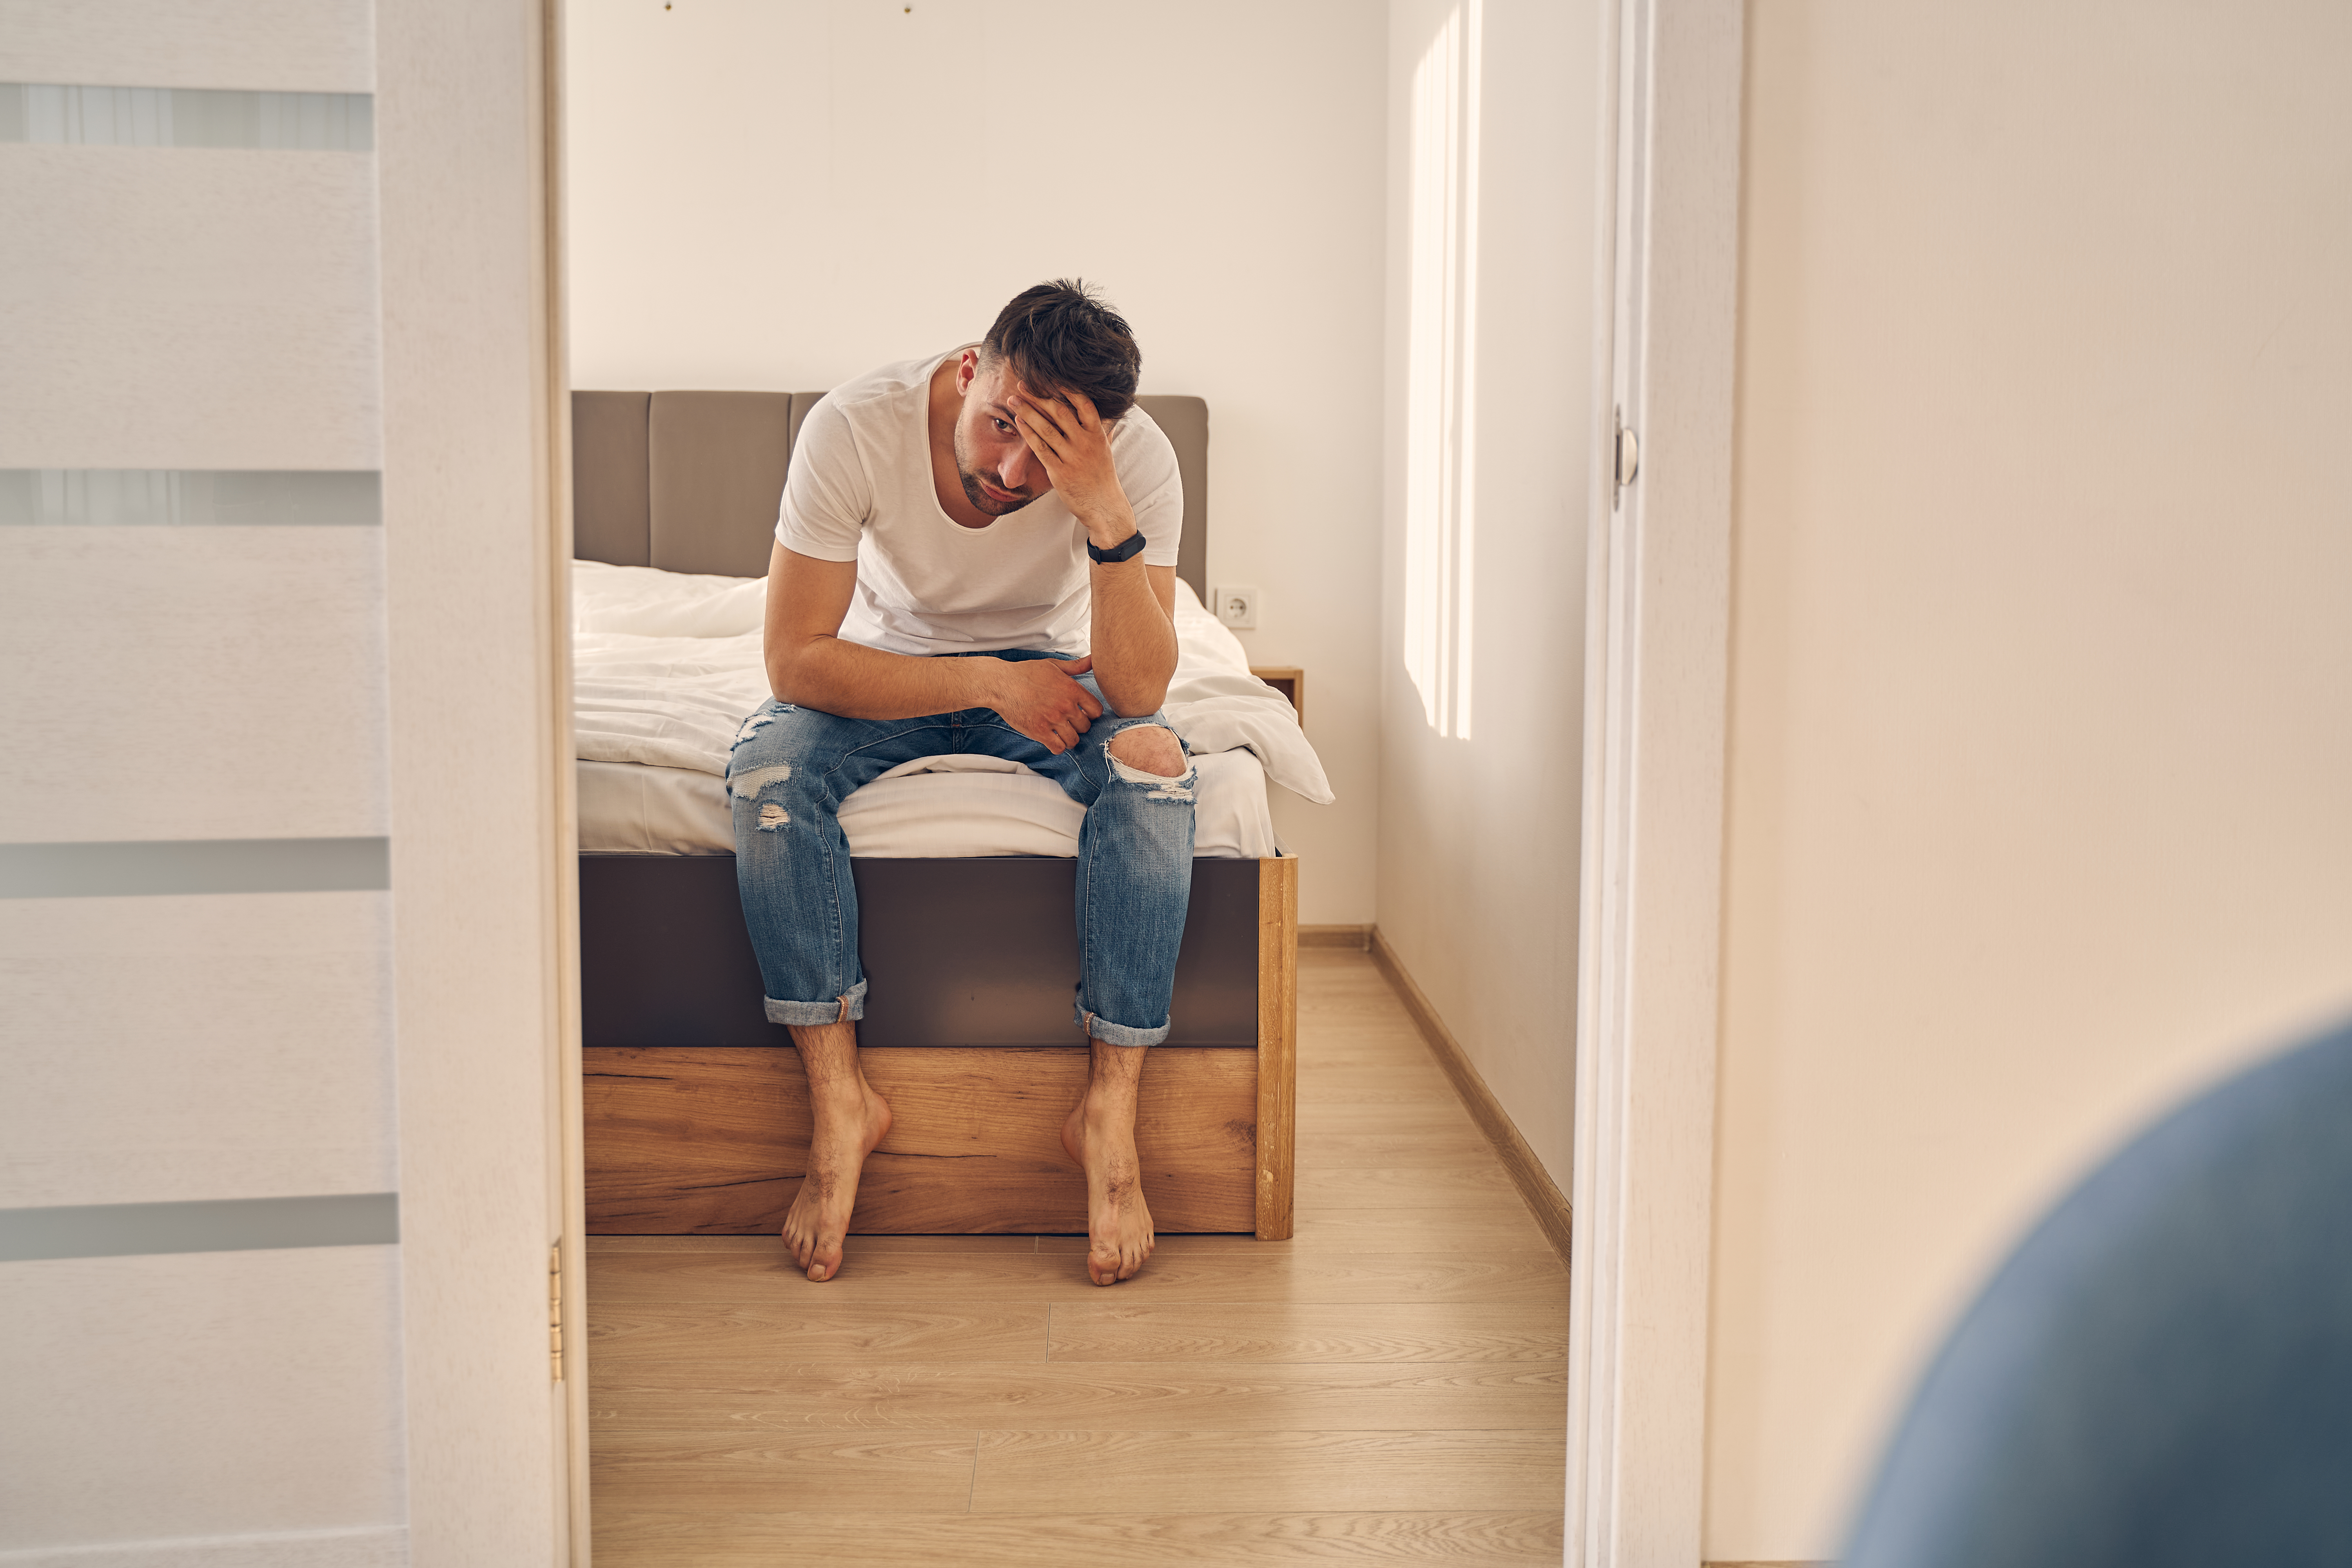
pixel 1658 611
pixel 477 437
pixel 484 870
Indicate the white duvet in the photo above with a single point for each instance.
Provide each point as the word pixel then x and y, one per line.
pixel 667 665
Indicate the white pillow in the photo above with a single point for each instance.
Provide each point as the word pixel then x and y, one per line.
pixel 647 602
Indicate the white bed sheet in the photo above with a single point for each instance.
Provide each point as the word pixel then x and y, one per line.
pixel 945 807
pixel 667 665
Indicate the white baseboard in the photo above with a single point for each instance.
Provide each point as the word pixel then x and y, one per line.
pixel 367 1546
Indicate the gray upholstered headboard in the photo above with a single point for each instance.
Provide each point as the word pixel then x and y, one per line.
pixel 689 482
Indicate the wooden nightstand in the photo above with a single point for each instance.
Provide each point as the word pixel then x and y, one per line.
pixel 1288 679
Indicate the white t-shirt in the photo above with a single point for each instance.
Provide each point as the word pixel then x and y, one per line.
pixel 860 489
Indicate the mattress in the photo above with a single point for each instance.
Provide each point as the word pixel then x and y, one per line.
pixel 667 665
pixel 945 807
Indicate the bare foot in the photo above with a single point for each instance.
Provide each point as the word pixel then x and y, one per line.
pixel 1100 1136
pixel 850 1120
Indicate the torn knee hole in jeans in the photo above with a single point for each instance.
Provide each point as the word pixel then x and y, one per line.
pixel 747 784
pixel 1170 770
pixel 751 781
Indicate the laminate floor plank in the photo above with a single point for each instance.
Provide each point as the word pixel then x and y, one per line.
pixel 1335 1186
pixel 758 1286
pixel 1435 1120
pixel 1392 1033
pixel 1370 1021
pixel 803 1328
pixel 1338 1007
pixel 1451 1226
pixel 1392 1151
pixel 1149 1395
pixel 720 1467
pixel 1344 1234
pixel 1177 1472
pixel 1386 1332
pixel 1454 1228
pixel 660 1538
pixel 1376 1085
pixel 1389 1386
pixel 1354 1054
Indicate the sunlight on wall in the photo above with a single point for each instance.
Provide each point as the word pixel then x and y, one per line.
pixel 1441 373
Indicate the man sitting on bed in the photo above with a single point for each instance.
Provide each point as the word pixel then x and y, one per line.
pixel 977 554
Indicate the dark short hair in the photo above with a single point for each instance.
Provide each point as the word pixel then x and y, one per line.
pixel 1062 337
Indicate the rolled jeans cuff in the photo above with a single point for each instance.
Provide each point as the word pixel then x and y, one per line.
pixel 1110 1033
pixel 842 1009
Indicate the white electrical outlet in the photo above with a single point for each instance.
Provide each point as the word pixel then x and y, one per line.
pixel 1237 607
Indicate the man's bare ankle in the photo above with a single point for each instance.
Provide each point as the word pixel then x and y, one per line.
pixel 1112 1111
pixel 842 1098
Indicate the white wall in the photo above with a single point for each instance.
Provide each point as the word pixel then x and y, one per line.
pixel 1490 312
pixel 781 194
pixel 2040 746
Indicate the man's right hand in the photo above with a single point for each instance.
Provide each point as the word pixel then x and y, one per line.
pixel 1040 698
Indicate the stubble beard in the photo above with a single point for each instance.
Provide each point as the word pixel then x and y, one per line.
pixel 971 490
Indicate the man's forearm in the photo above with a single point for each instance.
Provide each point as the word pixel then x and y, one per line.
pixel 1134 642
pixel 855 681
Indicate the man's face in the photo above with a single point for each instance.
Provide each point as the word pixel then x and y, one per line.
pixel 999 471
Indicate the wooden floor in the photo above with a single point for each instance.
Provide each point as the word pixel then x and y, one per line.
pixel 1389 1387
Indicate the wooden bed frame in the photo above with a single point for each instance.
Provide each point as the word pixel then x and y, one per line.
pixel 696 1113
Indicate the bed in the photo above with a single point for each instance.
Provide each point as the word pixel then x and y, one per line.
pixel 695 1114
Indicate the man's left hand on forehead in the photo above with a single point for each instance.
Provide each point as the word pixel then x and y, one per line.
pixel 1062 407
pixel 1070 440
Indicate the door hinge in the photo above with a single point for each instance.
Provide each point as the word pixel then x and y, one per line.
pixel 1627 458
pixel 555 1313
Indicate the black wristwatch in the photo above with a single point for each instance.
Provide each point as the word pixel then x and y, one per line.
pixel 1123 551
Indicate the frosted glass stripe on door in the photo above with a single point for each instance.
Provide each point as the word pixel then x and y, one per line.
pixel 194 866
pixel 220 1225
pixel 192 496
pixel 57 115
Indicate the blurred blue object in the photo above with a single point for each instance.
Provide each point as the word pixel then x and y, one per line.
pixel 2161 1375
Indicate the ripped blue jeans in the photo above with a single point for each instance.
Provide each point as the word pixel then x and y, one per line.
pixel 791 769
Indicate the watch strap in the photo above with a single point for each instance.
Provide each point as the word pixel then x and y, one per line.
pixel 1125 550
